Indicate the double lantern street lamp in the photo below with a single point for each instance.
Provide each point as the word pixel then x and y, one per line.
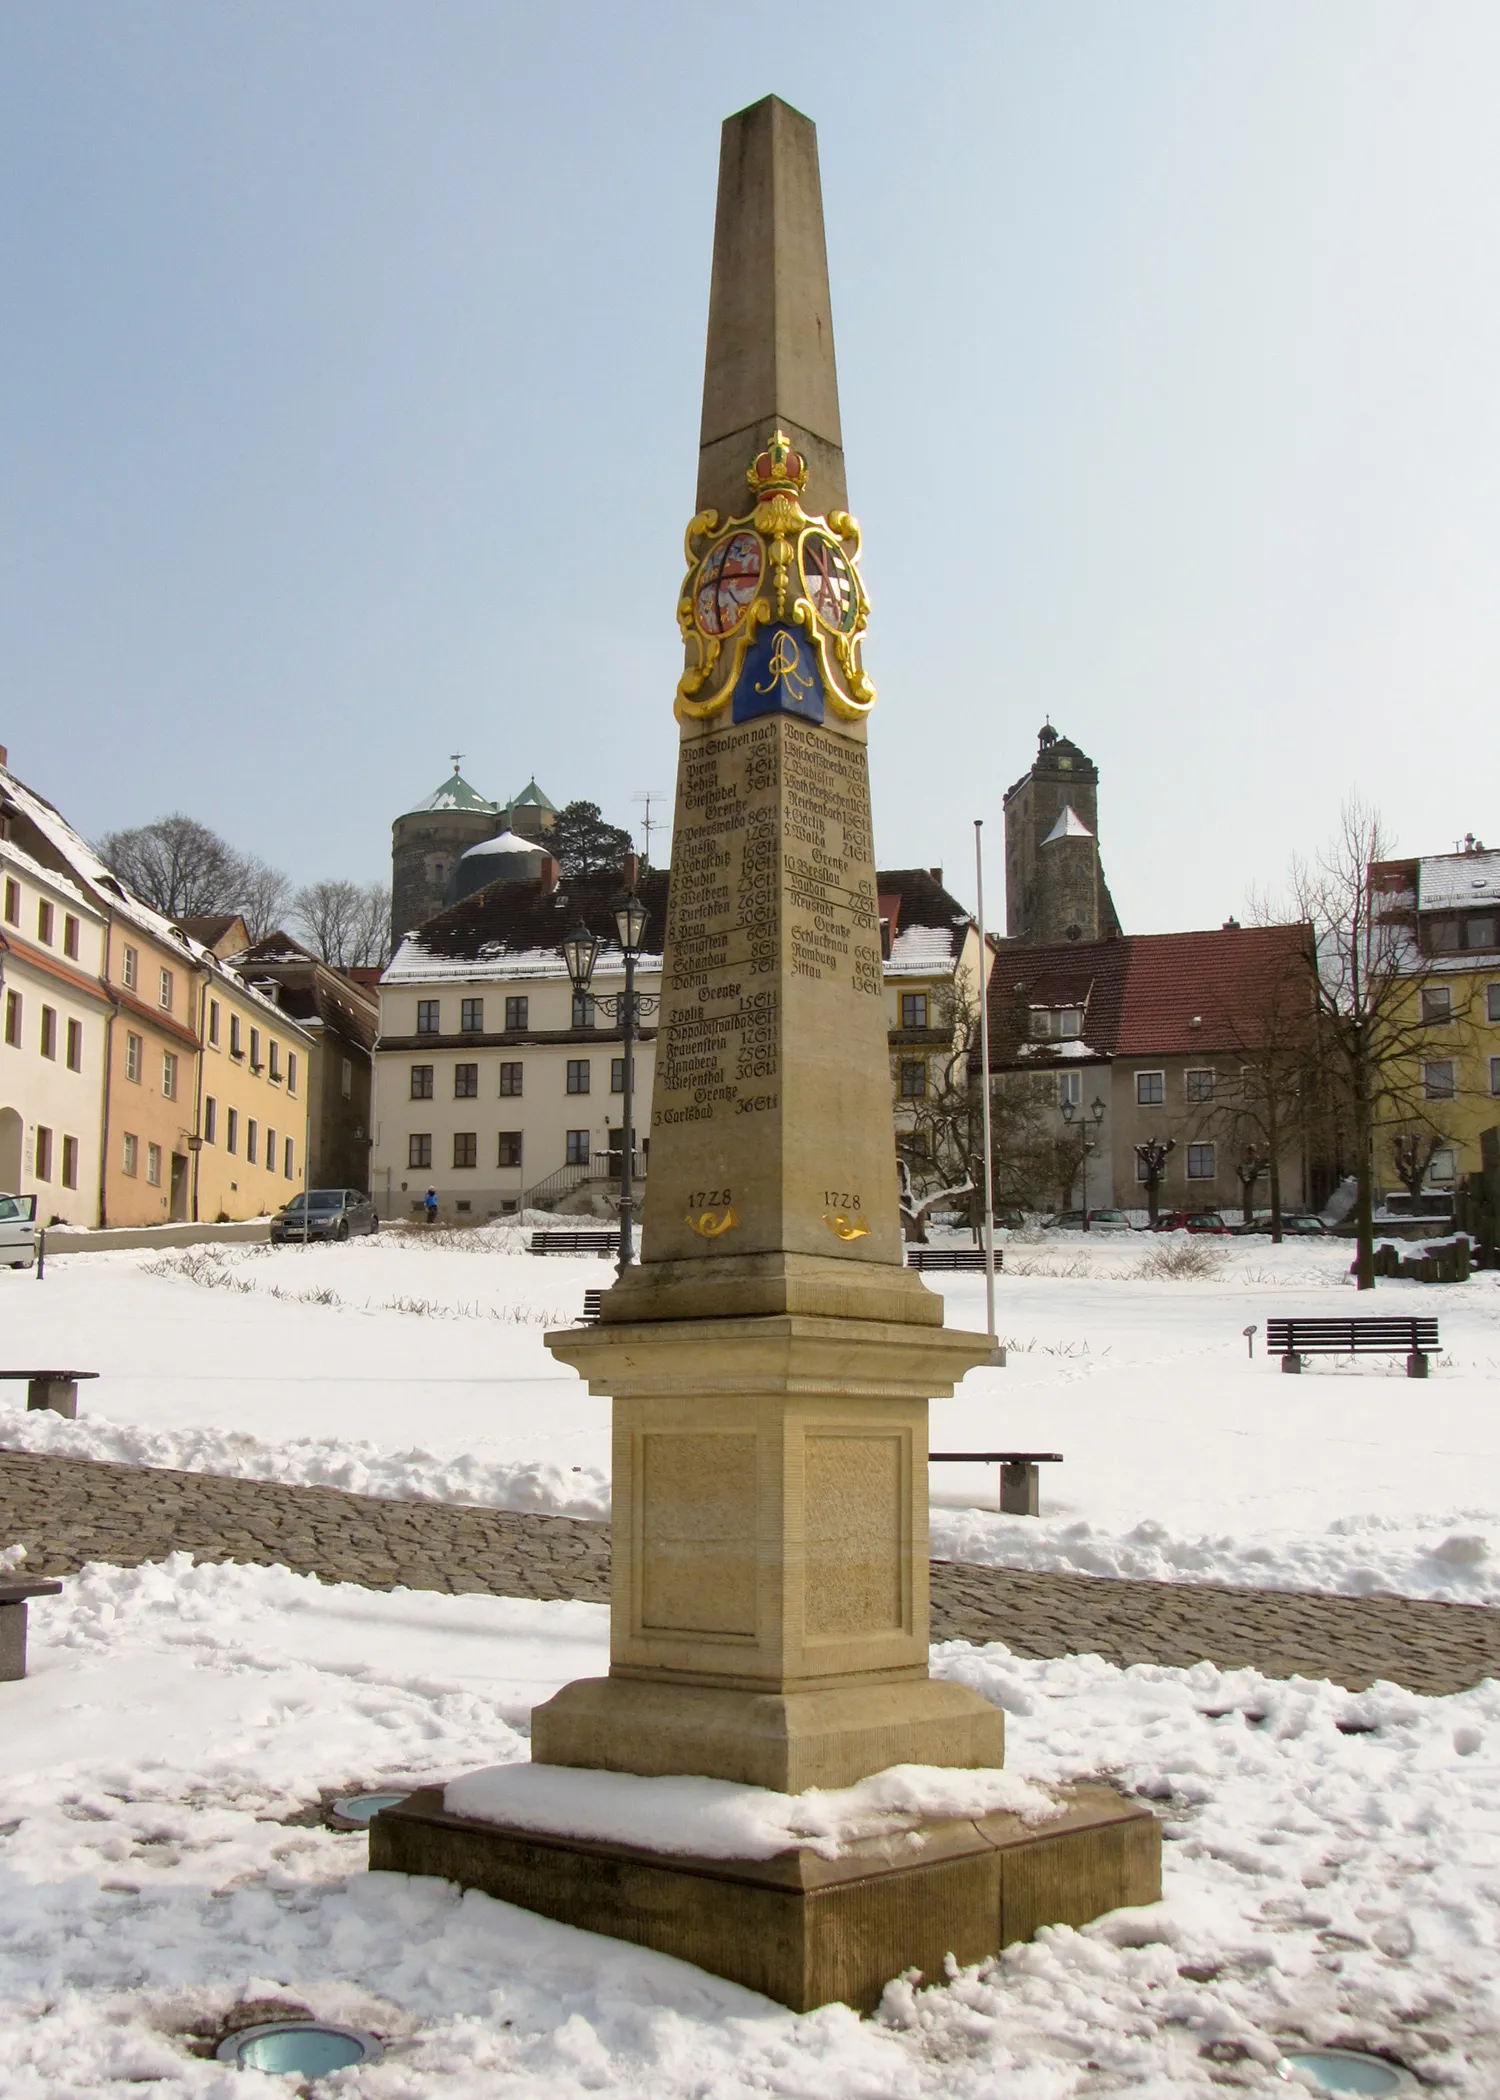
pixel 1089 1135
pixel 580 951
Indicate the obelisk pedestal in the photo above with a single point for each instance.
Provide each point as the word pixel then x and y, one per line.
pixel 770 1359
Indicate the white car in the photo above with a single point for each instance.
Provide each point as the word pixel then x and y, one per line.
pixel 17 1231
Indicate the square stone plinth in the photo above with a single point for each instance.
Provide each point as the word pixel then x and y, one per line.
pixel 803 1930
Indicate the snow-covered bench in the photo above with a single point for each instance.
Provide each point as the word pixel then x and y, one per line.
pixel 1020 1482
pixel 55 1389
pixel 14 1598
pixel 1381 1334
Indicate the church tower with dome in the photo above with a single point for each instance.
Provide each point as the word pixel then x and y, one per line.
pixel 455 840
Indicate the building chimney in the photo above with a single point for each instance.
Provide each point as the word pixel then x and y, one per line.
pixel 631 872
pixel 4 756
pixel 937 876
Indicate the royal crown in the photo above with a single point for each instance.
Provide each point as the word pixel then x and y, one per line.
pixel 778 467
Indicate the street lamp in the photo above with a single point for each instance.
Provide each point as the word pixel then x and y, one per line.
pixel 1089 1138
pixel 580 952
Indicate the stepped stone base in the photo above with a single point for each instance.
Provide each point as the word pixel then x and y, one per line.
pixel 803 1930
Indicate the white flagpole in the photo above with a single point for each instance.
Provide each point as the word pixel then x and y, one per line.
pixel 984 1065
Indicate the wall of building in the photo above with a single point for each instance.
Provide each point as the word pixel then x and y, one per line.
pixel 424 847
pixel 148 1156
pixel 1194 1179
pixel 52 1077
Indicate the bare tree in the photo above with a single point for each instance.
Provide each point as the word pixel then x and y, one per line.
pixel 348 923
pixel 372 927
pixel 1268 1102
pixel 1366 976
pixel 176 865
pixel 265 895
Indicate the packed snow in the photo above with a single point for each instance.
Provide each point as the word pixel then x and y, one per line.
pixel 408 1365
pixel 1331 1868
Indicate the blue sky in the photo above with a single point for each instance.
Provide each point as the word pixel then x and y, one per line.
pixel 349 401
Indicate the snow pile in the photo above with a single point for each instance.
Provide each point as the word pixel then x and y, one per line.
pixel 716 1819
pixel 160 1863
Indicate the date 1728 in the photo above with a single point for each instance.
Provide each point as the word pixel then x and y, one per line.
pixel 709 1199
pixel 835 1201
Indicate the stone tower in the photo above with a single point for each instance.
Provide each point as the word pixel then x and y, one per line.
pixel 427 842
pixel 1054 879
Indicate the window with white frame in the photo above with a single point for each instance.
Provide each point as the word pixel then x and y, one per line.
pixel 169 1075
pixel 1443 1166
pixel 153 1165
pixel 131 1153
pixel 1437 1004
pixel 164 991
pixel 274 1053
pixel 213 1023
pixel 210 1120
pixel 236 1038
pixel 255 1050
pixel 130 968
pixel 1438 1081
pixel 1070 1022
pixel 288 1164
pixel 252 1141
pixel 291 1073
pixel 134 1048
pixel 1200 1163
pixel 1199 1084
pixel 1069 1089
pixel 270 1151
pixel 232 1130
pixel 1150 1089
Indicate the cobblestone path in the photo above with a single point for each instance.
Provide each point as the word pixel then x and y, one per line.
pixel 68 1511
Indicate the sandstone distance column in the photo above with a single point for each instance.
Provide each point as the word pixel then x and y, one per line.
pixel 769 1357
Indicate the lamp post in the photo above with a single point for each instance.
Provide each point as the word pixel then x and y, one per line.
pixel 1089 1138
pixel 580 951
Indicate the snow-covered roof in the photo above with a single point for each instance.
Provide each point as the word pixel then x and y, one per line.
pixel 921 951
pixel 456 793
pixel 1451 881
pixel 1068 826
pixel 506 842
pixel 13 856
pixel 414 964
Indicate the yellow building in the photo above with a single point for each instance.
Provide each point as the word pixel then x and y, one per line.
pixel 251 1123
pixel 933 973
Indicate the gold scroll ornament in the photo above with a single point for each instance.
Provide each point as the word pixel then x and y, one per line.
pixel 845 1228
pixel 709 1225
pixel 783 528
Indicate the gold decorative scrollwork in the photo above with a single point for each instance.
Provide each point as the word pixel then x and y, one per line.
pixel 845 1228
pixel 709 1225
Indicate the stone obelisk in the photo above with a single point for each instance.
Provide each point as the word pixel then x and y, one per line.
pixel 770 1358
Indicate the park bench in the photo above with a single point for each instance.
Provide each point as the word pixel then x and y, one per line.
pixel 14 1598
pixel 1020 1482
pixel 1382 1334
pixel 592 1308
pixel 55 1389
pixel 600 1241
pixel 952 1258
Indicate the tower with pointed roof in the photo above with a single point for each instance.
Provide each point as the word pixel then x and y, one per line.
pixel 1054 879
pixel 426 843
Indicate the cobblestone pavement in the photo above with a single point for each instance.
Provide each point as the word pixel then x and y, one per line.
pixel 68 1511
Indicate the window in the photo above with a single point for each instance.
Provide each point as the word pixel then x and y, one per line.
pixel 255 1049
pixel 578 1075
pixel 236 1041
pixel 471 1016
pixel 913 1009
pixel 130 969
pixel 270 1151
pixel 510 1079
pixel 1492 1002
pixel 1200 1163
pixel 134 1047
pixel 1069 1089
pixel 49 1031
pixel 421 1082
pixel 510 1149
pixel 1479 933
pixel 12 902
pixel 13 1019
pixel 43 1153
pixel 578 1148
pixel 153 1165
pixel 232 1130
pixel 1495 1075
pixel 419 1149
pixel 465 1148
pixel 44 922
pixel 75 1046
pixel 1437 1080
pixel 70 1163
pixel 252 1140
pixel 169 1075
pixel 1442 936
pixel 291 1073
pixel 70 936
pixel 1443 1166
pixel 427 1016
pixel 1437 1004
pixel 1070 1021
pixel 583 1010
pixel 466 1082
pixel 164 994
pixel 517 1015
pixel 287 1162
pixel 914 1081
pixel 1041 1021
pixel 132 1154
pixel 1150 1089
pixel 210 1120
pixel 275 1055
pixel 1200 1086
pixel 1140 1168
pixel 617 1075
pixel 213 1022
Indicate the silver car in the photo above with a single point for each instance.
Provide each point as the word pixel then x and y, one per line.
pixel 17 1231
pixel 323 1214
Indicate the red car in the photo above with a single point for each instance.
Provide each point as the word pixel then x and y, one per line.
pixel 1191 1221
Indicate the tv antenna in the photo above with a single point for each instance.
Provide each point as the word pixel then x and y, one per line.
pixel 648 822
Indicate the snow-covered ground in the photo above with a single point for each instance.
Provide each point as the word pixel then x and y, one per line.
pixel 1321 1885
pixel 406 1367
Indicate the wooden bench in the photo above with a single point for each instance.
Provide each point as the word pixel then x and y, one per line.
pixel 952 1258
pixel 600 1241
pixel 1371 1334
pixel 14 1598
pixel 592 1308
pixel 55 1389
pixel 1020 1482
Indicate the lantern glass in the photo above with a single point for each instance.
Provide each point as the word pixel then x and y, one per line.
pixel 580 951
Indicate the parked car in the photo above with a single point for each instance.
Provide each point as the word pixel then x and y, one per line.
pixel 1108 1221
pixel 1301 1222
pixel 18 1231
pixel 1065 1221
pixel 323 1214
pixel 1191 1221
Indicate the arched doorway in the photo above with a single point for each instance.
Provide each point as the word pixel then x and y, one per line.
pixel 12 1130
